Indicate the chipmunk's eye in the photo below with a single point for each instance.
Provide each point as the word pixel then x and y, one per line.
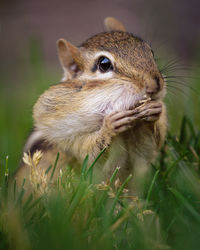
pixel 104 64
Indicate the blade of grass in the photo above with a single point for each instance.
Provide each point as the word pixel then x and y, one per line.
pixel 34 203
pixel 191 127
pixel 84 167
pixel 21 194
pixel 151 187
pixel 28 201
pixel 48 169
pixel 54 168
pixel 90 169
pixel 112 178
pixel 74 204
pixel 174 164
pixel 118 195
pixel 102 199
pixel 82 177
pixel 183 131
pixel 185 203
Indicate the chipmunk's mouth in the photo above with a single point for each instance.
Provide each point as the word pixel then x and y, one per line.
pixel 158 96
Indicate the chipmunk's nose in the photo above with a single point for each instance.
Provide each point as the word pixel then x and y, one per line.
pixel 153 85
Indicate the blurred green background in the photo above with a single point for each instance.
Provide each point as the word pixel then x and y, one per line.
pixel 29 63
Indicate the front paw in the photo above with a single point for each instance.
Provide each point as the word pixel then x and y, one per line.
pixel 149 111
pixel 121 121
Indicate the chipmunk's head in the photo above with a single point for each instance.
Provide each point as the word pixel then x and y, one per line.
pixel 110 72
pixel 115 54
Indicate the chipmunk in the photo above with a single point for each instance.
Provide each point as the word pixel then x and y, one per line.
pixel 111 96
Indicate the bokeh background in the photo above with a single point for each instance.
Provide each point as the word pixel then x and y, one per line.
pixel 29 64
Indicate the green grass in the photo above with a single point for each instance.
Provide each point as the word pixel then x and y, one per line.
pixel 77 214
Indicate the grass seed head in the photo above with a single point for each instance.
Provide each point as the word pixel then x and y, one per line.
pixel 38 178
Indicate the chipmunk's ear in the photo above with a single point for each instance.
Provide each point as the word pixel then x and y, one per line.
pixel 70 59
pixel 112 24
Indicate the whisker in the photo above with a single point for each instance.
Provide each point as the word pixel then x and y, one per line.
pixel 174 65
pixel 185 84
pixel 178 89
pixel 171 63
pixel 174 69
pixel 180 83
pixel 170 91
pixel 179 76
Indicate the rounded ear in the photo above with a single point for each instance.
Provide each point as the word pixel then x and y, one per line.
pixel 112 24
pixel 70 58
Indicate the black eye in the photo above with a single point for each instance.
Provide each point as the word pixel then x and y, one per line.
pixel 104 64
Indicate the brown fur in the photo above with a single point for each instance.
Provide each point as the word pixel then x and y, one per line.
pixel 76 117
